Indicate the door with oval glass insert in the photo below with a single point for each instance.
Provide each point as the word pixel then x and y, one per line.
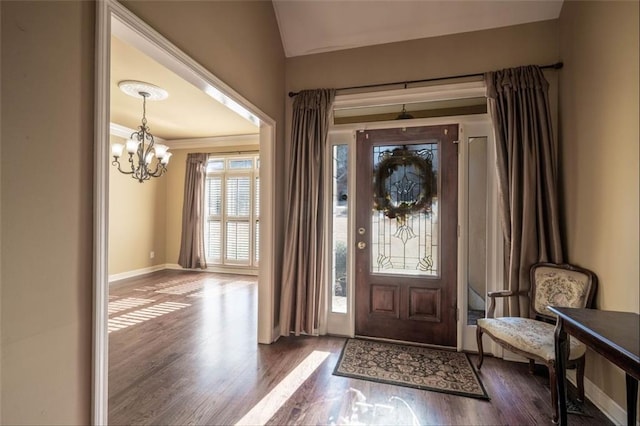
pixel 406 234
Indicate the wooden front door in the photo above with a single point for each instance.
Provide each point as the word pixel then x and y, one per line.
pixel 406 234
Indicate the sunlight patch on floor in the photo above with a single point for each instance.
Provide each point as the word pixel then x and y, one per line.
pixel 182 288
pixel 168 283
pixel 127 303
pixel 271 403
pixel 145 314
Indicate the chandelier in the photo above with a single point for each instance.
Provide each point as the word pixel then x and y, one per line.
pixel 147 159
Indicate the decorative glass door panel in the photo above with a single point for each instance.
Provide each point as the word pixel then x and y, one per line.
pixel 404 220
pixel 406 234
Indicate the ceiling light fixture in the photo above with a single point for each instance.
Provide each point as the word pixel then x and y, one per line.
pixel 141 146
pixel 404 115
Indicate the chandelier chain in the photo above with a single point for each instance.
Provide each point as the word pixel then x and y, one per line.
pixel 144 108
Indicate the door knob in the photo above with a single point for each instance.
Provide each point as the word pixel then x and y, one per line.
pixel 361 245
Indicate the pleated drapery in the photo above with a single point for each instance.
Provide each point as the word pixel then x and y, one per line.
pixel 303 280
pixel 527 175
pixel 192 254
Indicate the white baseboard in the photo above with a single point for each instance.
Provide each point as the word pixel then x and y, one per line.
pixel 136 272
pixel 593 393
pixel 608 406
pixel 276 333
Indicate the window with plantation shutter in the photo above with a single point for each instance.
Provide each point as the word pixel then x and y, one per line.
pixel 232 211
pixel 238 241
pixel 213 241
pixel 214 193
pixel 239 196
pixel 213 208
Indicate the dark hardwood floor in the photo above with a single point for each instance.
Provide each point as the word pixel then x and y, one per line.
pixel 182 350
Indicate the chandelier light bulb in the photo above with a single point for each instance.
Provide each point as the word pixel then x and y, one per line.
pixel 161 150
pixel 165 159
pixel 132 146
pixel 148 158
pixel 116 149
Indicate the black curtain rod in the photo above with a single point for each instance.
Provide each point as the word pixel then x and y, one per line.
pixel 555 66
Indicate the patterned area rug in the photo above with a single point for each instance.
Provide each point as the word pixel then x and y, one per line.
pixel 411 366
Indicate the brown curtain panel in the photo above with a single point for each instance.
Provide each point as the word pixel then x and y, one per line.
pixel 527 175
pixel 303 262
pixel 192 254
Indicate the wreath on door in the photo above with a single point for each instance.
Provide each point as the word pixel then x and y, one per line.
pixel 396 161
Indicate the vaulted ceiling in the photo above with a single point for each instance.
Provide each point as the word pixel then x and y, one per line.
pixel 308 27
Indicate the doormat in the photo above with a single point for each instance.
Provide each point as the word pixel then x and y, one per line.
pixel 410 366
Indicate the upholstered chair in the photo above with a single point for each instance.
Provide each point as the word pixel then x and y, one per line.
pixel 551 285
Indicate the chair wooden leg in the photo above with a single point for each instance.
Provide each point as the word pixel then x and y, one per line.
pixel 480 352
pixel 580 377
pixel 532 366
pixel 553 385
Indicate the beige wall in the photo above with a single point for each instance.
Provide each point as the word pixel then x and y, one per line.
pixel 1 351
pixel 175 195
pixel 47 181
pixel 471 52
pixel 599 140
pixel 137 220
pixel 47 114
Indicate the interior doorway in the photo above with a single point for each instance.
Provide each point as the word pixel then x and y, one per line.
pixel 109 14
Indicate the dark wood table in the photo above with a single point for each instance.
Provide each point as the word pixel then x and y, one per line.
pixel 614 335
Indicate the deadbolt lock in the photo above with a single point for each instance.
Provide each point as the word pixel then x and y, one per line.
pixel 361 231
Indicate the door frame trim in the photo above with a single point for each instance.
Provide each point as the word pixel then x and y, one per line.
pixel 190 70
